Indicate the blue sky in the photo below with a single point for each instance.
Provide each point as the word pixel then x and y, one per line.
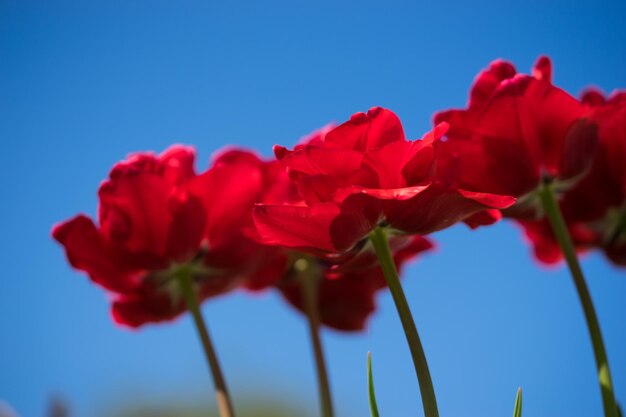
pixel 82 84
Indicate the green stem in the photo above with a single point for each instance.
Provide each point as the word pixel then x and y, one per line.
pixel 561 232
pixel 309 277
pixel 224 404
pixel 388 266
pixel 370 387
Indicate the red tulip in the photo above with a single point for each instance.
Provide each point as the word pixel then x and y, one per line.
pixel 594 207
pixel 364 174
pixel 518 132
pixel 156 215
pixel 346 283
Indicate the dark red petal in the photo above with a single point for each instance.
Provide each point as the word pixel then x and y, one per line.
pixel 507 168
pixel 87 251
pixel 297 226
pixel 542 69
pixel 483 218
pixel 315 160
pixel 187 227
pixel 322 228
pixel 437 208
pixel 345 302
pixel 416 245
pixel 579 149
pixel 487 81
pixel 617 97
pixel 316 189
pixel 617 254
pixel 545 246
pixel 281 152
pixel 317 137
pixel 176 164
pixel 611 121
pixel 366 131
pixel 336 162
pixel 594 195
pixel 277 187
pixel 136 310
pixel 228 192
pixel 604 187
pixel 461 123
pixel 271 267
pixel 525 124
pixel 489 200
pixel 145 162
pixel 359 215
pixel 592 97
pixel 233 156
pixel 134 212
pixel 403 193
pixel 400 163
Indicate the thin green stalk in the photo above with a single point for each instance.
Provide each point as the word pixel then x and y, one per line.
pixel 308 277
pixel 388 266
pixel 224 404
pixel 517 411
pixel 561 232
pixel 370 387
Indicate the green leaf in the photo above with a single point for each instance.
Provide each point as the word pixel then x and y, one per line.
pixel 517 412
pixel 370 387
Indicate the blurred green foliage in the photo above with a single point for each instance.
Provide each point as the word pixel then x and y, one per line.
pixel 263 409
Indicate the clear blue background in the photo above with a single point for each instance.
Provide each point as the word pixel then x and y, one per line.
pixel 84 83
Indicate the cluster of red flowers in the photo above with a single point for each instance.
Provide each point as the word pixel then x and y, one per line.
pixel 245 222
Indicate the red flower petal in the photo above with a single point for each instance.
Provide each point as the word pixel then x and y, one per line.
pixel 324 227
pixel 176 164
pixel 483 218
pixel 297 226
pixel 542 69
pixel 151 307
pixel 344 303
pixel 437 208
pixel 134 212
pixel 403 193
pixel 579 148
pixel 487 81
pixel 325 161
pixel 400 163
pixel 87 251
pixel 228 192
pixel 366 131
pixel 593 97
pixel 489 200
pixel 545 247
pixel 186 228
pixel 525 124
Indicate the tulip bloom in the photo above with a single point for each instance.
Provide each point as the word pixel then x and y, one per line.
pixel 156 216
pixel 346 284
pixel 594 207
pixel 364 174
pixel 519 132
